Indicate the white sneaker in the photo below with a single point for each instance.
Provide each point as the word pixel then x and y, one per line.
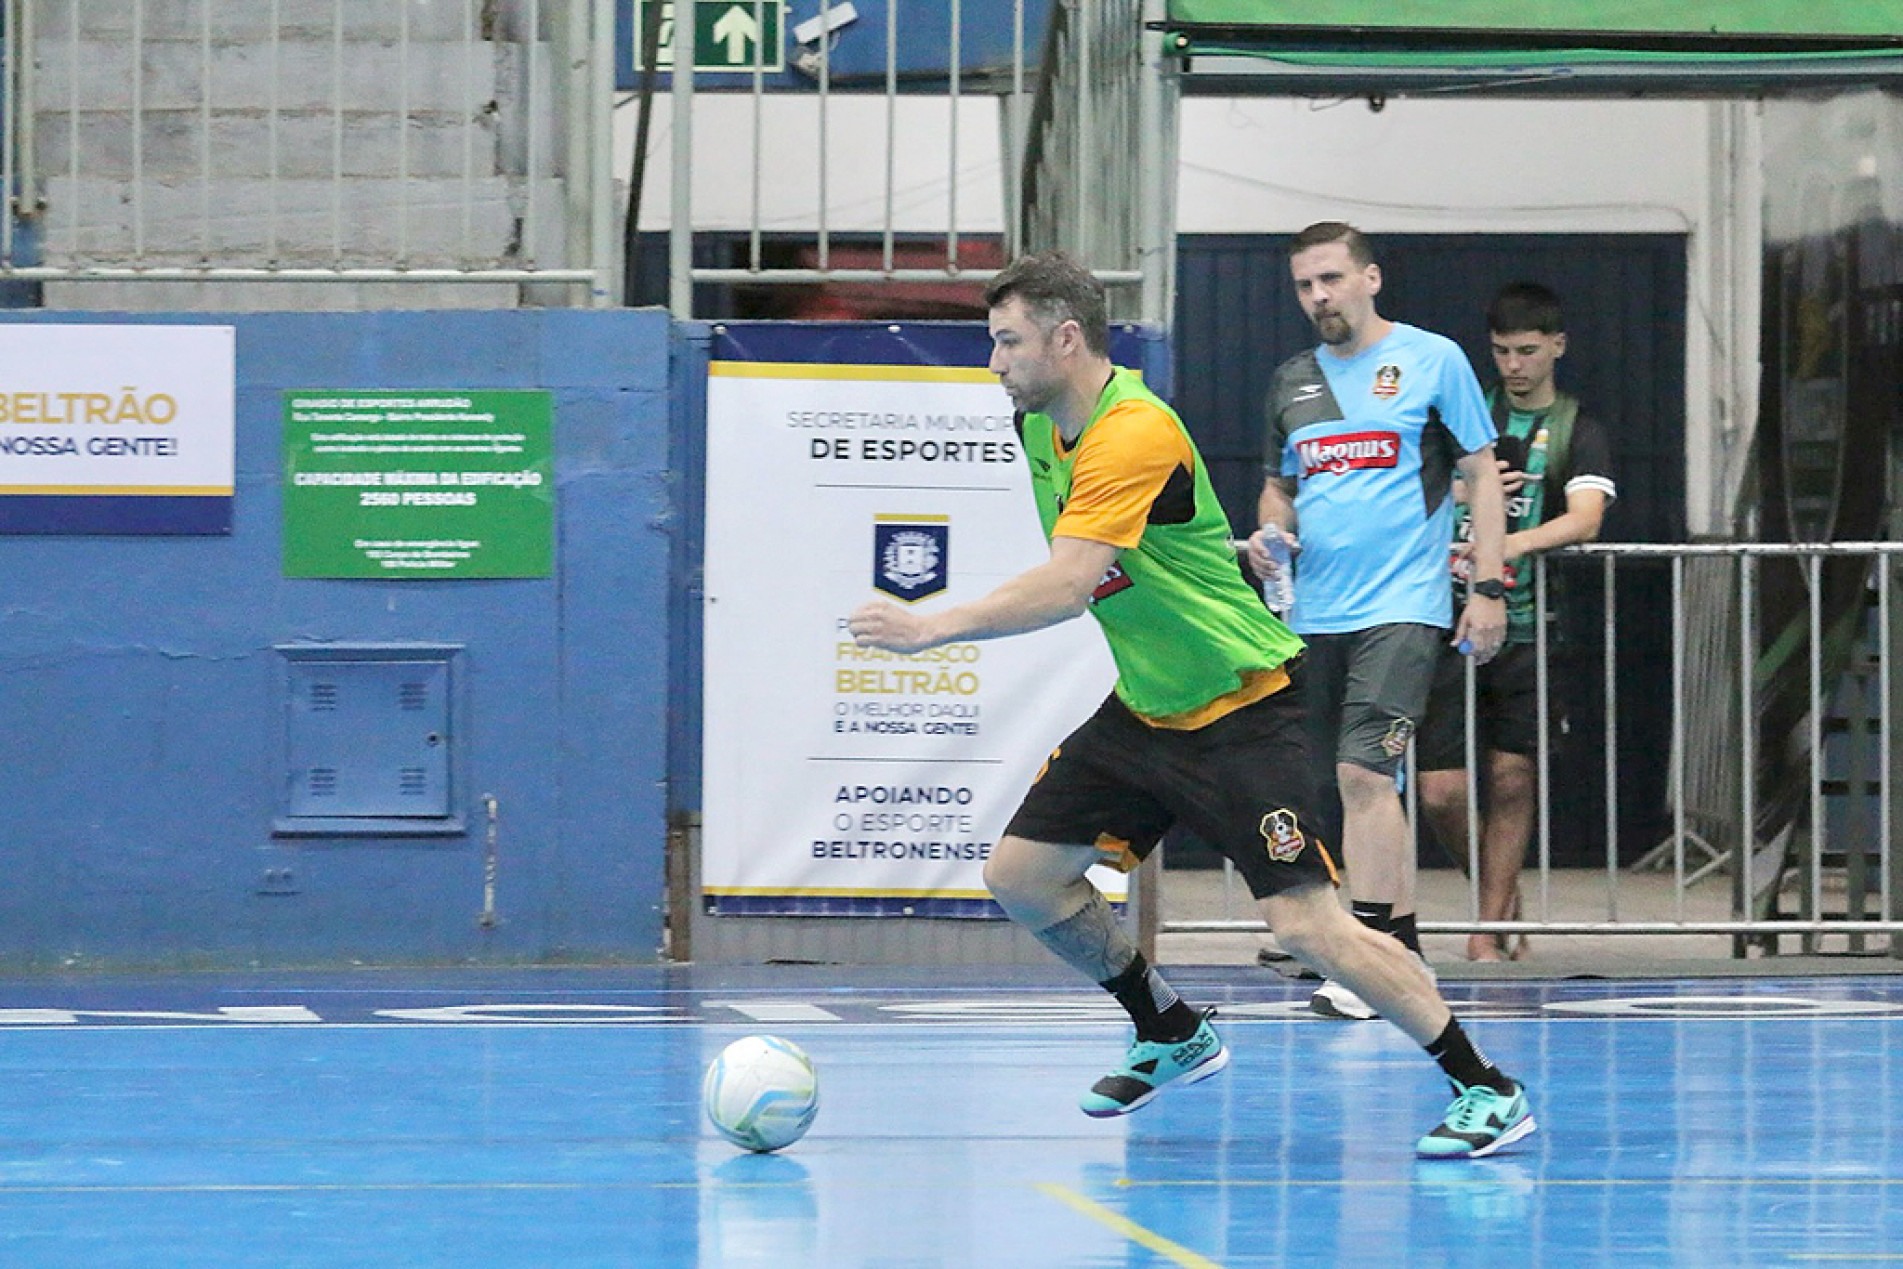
pixel 1334 1000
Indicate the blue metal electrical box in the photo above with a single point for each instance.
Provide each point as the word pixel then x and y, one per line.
pixel 370 740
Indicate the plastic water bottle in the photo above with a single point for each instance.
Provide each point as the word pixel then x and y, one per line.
pixel 1278 589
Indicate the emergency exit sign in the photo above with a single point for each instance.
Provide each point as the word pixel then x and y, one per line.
pixel 729 35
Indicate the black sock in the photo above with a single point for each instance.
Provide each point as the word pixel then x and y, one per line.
pixel 1465 1064
pixel 1376 916
pixel 1156 1009
pixel 1380 916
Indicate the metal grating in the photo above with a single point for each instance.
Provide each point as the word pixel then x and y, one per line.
pixel 1086 148
pixel 456 141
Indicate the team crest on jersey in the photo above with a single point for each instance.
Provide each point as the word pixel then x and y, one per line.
pixel 1400 731
pixel 1387 381
pixel 911 556
pixel 1282 834
pixel 1333 455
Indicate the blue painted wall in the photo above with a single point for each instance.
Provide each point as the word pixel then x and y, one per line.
pixel 142 701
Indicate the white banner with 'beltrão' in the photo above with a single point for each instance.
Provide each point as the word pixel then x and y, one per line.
pixel 845 780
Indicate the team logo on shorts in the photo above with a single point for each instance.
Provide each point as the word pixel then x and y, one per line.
pixel 911 555
pixel 1394 744
pixel 1387 382
pixel 1282 835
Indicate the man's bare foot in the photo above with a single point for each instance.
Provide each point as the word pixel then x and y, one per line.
pixel 1485 947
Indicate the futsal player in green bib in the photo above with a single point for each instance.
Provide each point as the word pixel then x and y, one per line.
pixel 1205 726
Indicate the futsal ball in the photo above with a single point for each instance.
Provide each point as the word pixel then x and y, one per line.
pixel 761 1093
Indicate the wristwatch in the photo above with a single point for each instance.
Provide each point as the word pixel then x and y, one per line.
pixel 1491 588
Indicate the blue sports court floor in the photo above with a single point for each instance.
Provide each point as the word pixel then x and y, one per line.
pixel 550 1118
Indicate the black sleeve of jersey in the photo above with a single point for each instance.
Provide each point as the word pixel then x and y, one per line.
pixel 1298 396
pixel 1274 439
pixel 1589 453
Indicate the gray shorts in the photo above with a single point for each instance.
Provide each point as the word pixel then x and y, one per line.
pixel 1367 690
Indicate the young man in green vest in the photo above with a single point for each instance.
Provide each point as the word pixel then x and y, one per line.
pixel 1557 472
pixel 1205 726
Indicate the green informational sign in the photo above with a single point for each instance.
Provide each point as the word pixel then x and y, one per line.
pixel 729 35
pixel 414 484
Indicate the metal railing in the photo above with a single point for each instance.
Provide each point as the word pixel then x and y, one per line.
pixel 309 141
pixel 1780 755
pixel 1068 164
pixel 1101 130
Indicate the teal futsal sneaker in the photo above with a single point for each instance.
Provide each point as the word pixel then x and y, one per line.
pixel 1479 1122
pixel 1151 1065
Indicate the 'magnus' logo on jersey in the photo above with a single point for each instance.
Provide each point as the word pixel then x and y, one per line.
pixel 1333 455
pixel 1111 582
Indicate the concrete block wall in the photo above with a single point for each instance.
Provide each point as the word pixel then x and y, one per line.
pixel 180 133
pixel 307 223
pixel 251 20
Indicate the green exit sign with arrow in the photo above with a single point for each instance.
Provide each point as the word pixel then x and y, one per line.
pixel 729 35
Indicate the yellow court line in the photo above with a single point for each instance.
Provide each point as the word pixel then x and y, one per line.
pixel 1128 1228
pixel 823 370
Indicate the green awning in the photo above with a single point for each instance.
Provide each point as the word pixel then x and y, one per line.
pixel 1764 26
pixel 1730 47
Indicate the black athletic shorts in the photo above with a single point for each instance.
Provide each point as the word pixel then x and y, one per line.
pixel 1506 708
pixel 1243 784
pixel 1367 689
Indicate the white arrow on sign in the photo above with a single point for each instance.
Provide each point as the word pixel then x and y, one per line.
pixel 736 29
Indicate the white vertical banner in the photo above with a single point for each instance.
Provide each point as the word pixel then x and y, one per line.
pixel 845 780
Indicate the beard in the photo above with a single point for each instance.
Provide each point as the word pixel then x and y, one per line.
pixel 1035 398
pixel 1333 328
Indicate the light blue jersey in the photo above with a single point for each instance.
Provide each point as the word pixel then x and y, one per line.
pixel 1372 440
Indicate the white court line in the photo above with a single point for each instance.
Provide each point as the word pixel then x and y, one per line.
pixel 980 1012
